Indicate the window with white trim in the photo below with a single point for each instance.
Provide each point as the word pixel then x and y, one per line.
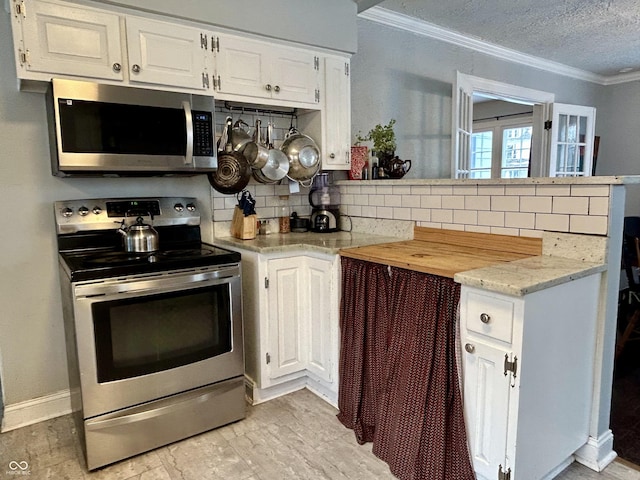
pixel 500 149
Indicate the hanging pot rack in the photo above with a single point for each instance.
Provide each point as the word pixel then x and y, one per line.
pixel 284 112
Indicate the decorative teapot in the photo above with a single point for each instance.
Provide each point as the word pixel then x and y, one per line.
pixel 139 237
pixel 396 168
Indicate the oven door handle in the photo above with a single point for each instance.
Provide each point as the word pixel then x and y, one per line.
pixel 159 284
pixel 188 157
pixel 167 406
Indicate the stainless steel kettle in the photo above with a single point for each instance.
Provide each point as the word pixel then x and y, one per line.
pixel 139 237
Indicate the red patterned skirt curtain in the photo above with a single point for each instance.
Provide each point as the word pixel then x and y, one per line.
pixel 415 419
pixel 364 317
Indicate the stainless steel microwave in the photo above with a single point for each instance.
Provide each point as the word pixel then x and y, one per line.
pixel 98 129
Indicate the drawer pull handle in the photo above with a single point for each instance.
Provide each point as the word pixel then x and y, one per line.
pixel 485 318
pixel 470 348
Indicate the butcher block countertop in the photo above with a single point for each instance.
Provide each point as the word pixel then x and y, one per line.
pixel 501 263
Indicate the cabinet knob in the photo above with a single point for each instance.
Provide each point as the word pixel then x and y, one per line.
pixel 117 67
pixel 470 348
pixel 268 87
pixel 333 155
pixel 135 68
pixel 276 89
pixel 485 318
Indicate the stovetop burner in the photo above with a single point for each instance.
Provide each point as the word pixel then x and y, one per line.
pixel 91 265
pixel 126 258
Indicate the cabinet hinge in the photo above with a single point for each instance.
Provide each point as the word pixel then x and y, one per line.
pixel 316 63
pixel 547 125
pixel 205 80
pixel 23 56
pixel 21 9
pixel 215 44
pixel 317 95
pixel 511 366
pixel 217 83
pixel 266 282
pixel 346 69
pixel 204 41
pixel 268 358
pixel 504 475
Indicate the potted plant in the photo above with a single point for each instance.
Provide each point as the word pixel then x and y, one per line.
pixel 383 138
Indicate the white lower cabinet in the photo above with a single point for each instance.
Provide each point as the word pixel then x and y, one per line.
pixel 527 377
pixel 290 310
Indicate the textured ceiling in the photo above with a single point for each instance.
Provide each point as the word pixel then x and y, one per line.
pixel 598 36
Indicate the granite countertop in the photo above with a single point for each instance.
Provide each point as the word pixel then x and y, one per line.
pixel 330 243
pixel 590 180
pixel 527 275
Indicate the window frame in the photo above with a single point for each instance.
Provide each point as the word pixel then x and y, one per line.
pixel 498 127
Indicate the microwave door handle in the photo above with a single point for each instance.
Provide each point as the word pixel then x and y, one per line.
pixel 188 158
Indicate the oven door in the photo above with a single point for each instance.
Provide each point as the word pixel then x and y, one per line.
pixel 147 337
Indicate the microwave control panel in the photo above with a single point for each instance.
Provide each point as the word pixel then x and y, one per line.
pixel 202 134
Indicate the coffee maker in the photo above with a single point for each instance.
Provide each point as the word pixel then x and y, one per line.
pixel 325 200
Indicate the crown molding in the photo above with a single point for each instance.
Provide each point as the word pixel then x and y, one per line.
pixel 400 21
pixel 622 78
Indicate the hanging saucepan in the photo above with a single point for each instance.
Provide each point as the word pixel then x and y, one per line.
pixel 255 152
pixel 239 137
pixel 259 176
pixel 303 154
pixel 277 164
pixel 234 172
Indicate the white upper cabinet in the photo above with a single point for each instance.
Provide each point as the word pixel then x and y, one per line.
pixel 337 114
pixel 65 39
pixel 251 68
pixel 166 54
pixel 56 39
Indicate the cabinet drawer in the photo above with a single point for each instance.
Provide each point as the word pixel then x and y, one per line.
pixel 490 316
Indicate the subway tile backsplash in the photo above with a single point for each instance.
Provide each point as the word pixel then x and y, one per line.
pixel 525 210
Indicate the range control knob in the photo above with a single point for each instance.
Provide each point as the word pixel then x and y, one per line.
pixel 191 207
pixel 178 207
pixel 97 210
pixel 67 212
pixel 83 211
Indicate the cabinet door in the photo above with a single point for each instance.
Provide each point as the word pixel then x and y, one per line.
pixel 337 115
pixel 251 68
pixel 166 54
pixel 71 40
pixel 241 67
pixel 323 311
pixel 486 403
pixel 285 309
pixel 294 75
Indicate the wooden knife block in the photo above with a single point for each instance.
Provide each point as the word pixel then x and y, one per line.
pixel 243 227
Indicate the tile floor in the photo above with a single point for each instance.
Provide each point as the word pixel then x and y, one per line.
pixel 293 437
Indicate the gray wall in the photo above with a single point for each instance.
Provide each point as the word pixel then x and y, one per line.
pixel 618 124
pixel 397 74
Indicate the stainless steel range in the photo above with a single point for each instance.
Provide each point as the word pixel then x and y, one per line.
pixel 154 339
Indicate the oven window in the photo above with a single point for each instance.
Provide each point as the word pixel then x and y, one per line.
pixel 142 335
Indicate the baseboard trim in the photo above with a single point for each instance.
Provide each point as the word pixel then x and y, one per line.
pixel 37 410
pixel 597 453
